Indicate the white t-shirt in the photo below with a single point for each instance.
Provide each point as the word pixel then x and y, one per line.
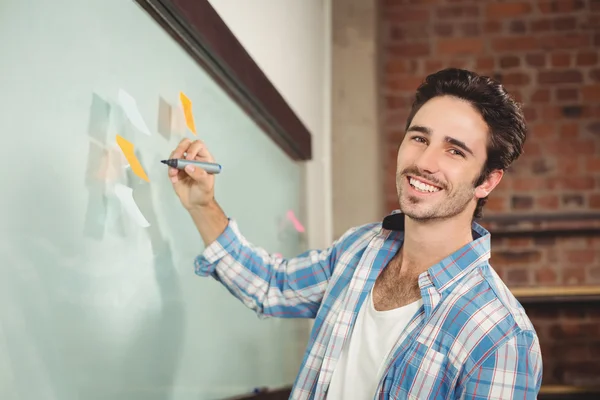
pixel 361 363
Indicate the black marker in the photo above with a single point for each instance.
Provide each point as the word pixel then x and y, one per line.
pixel 211 168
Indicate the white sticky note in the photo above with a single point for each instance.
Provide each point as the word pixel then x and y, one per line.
pixel 129 105
pixel 125 195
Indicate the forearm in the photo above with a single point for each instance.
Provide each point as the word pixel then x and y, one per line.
pixel 210 220
pixel 268 284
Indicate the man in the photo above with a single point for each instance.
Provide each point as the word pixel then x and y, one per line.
pixel 410 307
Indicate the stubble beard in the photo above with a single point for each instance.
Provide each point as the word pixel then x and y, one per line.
pixel 452 202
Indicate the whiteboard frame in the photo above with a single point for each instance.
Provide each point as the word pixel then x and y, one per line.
pixel 201 32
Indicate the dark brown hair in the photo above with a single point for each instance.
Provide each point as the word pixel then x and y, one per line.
pixel 502 114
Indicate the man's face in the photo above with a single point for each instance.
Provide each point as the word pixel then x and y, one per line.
pixel 440 158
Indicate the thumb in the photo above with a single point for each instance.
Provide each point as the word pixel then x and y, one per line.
pixel 195 173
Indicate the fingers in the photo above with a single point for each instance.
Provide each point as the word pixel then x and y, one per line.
pixel 174 174
pixel 181 148
pixel 190 150
pixel 172 171
pixel 195 173
pixel 194 149
pixel 198 151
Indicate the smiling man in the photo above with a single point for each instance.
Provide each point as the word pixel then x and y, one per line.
pixel 408 307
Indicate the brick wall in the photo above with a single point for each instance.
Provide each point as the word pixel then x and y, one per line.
pixel 547 54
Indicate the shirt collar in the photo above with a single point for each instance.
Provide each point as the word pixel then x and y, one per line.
pixel 448 271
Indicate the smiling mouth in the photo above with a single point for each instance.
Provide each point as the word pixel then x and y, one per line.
pixel 421 186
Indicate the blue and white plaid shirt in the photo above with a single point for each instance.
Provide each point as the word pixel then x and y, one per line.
pixel 471 339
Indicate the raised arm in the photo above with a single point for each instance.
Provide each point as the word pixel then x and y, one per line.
pixel 270 285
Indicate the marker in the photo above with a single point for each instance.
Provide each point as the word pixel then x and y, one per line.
pixel 211 168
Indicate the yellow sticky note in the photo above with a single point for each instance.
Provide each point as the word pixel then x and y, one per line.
pixel 134 163
pixel 187 111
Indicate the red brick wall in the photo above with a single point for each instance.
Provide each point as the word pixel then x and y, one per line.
pixel 547 54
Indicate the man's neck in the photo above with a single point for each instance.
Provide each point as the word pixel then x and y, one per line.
pixel 427 243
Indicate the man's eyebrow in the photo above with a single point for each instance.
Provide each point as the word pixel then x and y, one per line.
pixel 427 131
pixel 459 143
pixel 419 128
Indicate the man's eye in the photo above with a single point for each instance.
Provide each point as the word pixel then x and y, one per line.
pixel 457 152
pixel 419 139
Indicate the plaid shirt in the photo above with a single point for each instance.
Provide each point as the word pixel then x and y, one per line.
pixel 471 339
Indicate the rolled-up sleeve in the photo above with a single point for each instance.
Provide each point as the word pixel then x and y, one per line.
pixel 267 283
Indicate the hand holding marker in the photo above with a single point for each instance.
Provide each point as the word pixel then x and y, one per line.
pixel 192 172
pixel 211 168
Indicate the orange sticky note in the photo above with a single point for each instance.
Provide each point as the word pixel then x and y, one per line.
pixel 128 151
pixel 187 111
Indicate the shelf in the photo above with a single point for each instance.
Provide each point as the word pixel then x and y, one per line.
pixel 557 294
pixel 542 224
pixel 559 389
pixel 566 392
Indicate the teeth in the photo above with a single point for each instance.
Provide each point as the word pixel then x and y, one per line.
pixel 423 187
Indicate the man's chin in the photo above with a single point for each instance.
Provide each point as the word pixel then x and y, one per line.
pixel 418 212
pixel 419 216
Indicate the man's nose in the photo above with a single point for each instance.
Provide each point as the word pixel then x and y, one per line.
pixel 428 160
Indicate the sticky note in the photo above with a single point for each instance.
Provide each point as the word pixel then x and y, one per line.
pixel 125 195
pixel 128 150
pixel 178 121
pixel 165 116
pixel 112 162
pixel 99 119
pixel 105 172
pixel 186 103
pixel 129 105
pixel 292 218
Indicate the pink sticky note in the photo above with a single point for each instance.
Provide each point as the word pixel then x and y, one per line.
pixel 297 225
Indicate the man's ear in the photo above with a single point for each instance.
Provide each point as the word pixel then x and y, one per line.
pixel 489 184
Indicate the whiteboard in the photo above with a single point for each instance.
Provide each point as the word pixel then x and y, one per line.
pixel 97 302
